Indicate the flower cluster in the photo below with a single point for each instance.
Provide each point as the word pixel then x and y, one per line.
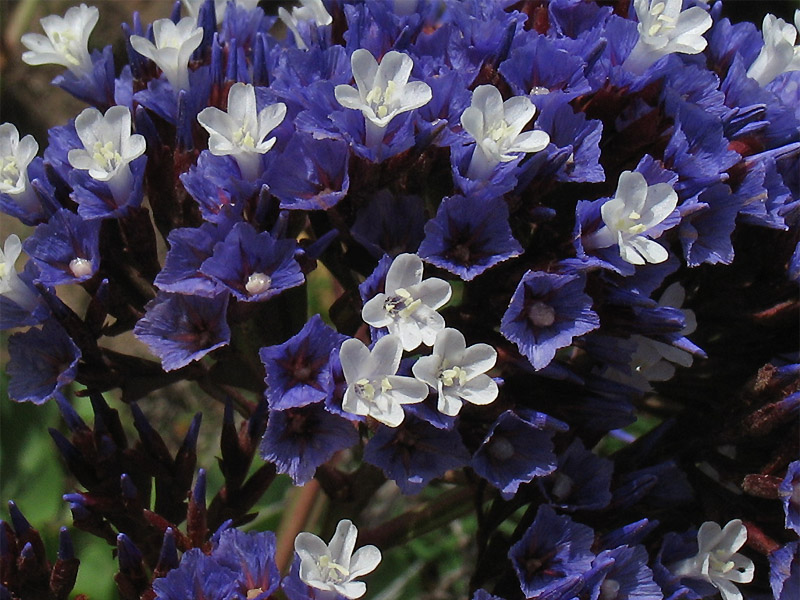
pixel 558 246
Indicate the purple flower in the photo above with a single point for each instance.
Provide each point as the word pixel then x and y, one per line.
pixel 415 452
pixel 198 577
pixel 42 362
pixel 582 480
pixel 784 573
pixel 390 224
pixel 628 578
pixel 546 312
pixel 553 552
pixel 468 236
pixel 298 440
pixel 251 556
pixel 252 265
pixel 65 249
pixel 298 371
pixel 789 492
pixel 180 329
pixel 518 448
pixel 189 247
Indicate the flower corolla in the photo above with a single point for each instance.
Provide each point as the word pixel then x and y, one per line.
pixel 779 53
pixel 383 91
pixel 310 10
pixel 373 388
pixel 665 29
pixel 635 210
pixel 496 127
pixel 717 561
pixel 65 41
pixel 458 373
pixel 108 148
pixel 334 566
pixel 408 305
pixel 11 285
pixel 241 131
pixel 173 48
pixel 15 156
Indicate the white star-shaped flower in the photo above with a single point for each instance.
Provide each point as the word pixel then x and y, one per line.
pixel 241 131
pixel 664 29
pixel 373 388
pixel 635 210
pixel 779 53
pixel 11 285
pixel 312 11
pixel 108 148
pixel 497 129
pixel 383 91
pixel 15 156
pixel 173 48
pixel 408 306
pixel 717 561
pixel 457 373
pixel 334 567
pixel 65 41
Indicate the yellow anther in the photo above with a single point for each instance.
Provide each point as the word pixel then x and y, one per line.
pixel 386 385
pixel 410 308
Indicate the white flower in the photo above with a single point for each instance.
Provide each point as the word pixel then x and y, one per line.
pixel 240 132
pixel 383 91
pixel 717 561
pixel 193 7
pixel 372 387
pixel 458 372
pixel 311 10
pixel 779 53
pixel 11 286
pixel 664 29
pixel 334 566
pixel 108 147
pixel 496 127
pixel 173 48
pixel 408 306
pixel 65 41
pixel 635 210
pixel 15 156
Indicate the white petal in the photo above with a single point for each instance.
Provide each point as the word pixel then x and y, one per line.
pixel 472 122
pixel 405 271
pixel 374 312
pixel 310 544
pixel 351 589
pixel 391 415
pixel 734 535
pixel 450 344
pixel 728 590
pixel 478 359
pixel 530 141
pixel 415 94
pixel 353 403
pixel 343 543
pixel 481 390
pixel 488 100
pixel 433 292
pixel 385 356
pixel 708 536
pixel 449 403
pixel 407 390
pixel 632 190
pixel 395 66
pixel 426 368
pixel 348 96
pixel 365 560
pixel 651 251
pixel 408 331
pixel 364 68
pixel 354 356
pixel 518 111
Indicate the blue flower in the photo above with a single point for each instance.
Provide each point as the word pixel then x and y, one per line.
pixel 180 329
pixel 251 556
pixel 554 553
pixel 468 236
pixel 546 312
pixel 298 371
pixel 784 573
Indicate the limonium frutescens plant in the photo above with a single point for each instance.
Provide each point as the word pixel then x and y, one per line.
pixel 561 240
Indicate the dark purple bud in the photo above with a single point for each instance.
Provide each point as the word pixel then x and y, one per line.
pixel 189 445
pixel 131 579
pixel 257 423
pixel 68 451
pixel 70 416
pixel 281 223
pixel 260 72
pixel 97 311
pixel 66 550
pixel 197 515
pixel 185 121
pixel 168 558
pixel 129 491
pixel 315 250
pixel 130 559
pixel 18 520
pixel 186 458
pixel 151 440
pixel 233 55
pixel 175 15
pixel 110 418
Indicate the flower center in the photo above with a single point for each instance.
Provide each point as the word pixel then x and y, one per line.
pixel 257 283
pixel 332 571
pixel 661 24
pixel 106 156
pixel 609 589
pixel 717 562
pixel 243 139
pixel 62 44
pixel 80 267
pixel 401 304
pixel 541 314
pixel 562 486
pixel 454 375
pixel 500 448
pixel 254 593
pixel 365 390
pixel 9 172
pixel 500 131
pixel 379 99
